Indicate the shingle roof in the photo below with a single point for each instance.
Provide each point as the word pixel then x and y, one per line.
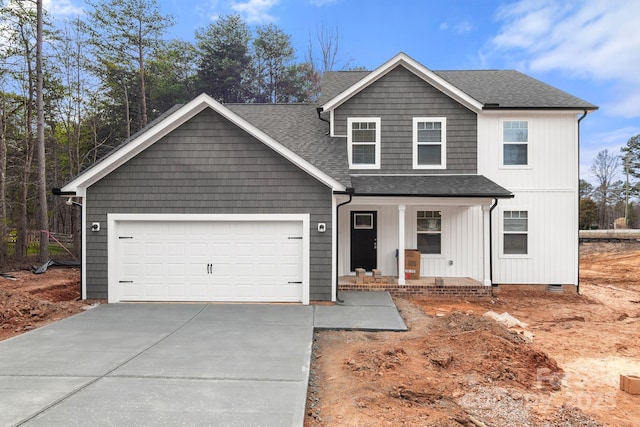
pixel 428 186
pixel 298 128
pixel 511 89
pixel 494 88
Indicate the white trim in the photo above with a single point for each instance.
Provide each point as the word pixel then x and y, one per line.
pixel 415 67
pixel 350 143
pixel 503 143
pixel 334 246
pixel 501 254
pixel 173 121
pixel 114 218
pixel 442 143
pixel 402 210
pixel 486 245
pixel 83 269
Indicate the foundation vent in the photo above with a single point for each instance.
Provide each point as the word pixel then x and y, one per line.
pixel 558 289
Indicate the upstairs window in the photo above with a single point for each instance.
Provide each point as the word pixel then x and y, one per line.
pixel 430 232
pixel 429 142
pixel 515 139
pixel 364 143
pixel 516 233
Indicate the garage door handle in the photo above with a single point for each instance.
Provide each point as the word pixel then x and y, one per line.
pixel 125 281
pixel 209 268
pixel 300 283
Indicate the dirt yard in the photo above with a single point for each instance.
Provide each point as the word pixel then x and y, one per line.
pixel 32 300
pixel 457 368
pixel 454 367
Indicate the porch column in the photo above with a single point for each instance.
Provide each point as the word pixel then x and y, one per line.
pixel 486 248
pixel 401 244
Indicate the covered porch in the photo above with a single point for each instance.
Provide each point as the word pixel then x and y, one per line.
pixel 384 215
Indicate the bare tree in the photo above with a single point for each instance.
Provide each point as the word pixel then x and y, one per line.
pixel 605 169
pixel 42 165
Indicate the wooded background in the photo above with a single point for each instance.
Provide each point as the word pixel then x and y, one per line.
pixel 87 85
pixel 105 77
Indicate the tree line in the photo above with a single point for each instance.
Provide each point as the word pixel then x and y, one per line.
pixel 105 76
pixel 612 201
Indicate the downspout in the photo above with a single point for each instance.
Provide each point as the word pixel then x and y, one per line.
pixel 319 110
pixel 584 114
pixel 349 192
pixel 495 203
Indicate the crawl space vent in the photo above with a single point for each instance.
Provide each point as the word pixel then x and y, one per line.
pixel 558 289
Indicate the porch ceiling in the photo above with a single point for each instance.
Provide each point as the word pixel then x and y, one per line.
pixel 458 186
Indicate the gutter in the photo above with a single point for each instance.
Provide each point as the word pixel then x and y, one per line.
pixel 348 192
pixel 319 111
pixel 584 114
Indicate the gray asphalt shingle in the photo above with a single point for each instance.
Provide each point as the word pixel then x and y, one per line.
pixel 504 88
pixel 428 186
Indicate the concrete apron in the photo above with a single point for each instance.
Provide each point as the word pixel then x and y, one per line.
pixel 161 364
pixel 176 364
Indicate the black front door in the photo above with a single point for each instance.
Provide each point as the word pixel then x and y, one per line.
pixel 364 245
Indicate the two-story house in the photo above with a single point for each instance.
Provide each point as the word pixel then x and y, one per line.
pixel 478 170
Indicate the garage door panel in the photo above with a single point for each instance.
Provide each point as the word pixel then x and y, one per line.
pixel 210 261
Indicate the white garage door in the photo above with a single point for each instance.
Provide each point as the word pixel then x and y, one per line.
pixel 251 261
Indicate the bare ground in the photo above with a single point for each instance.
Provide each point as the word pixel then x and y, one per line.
pixel 456 368
pixel 453 367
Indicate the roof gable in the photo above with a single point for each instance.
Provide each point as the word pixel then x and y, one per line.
pixel 171 122
pixel 415 67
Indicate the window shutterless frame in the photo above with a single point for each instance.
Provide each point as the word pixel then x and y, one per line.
pixel 429 142
pixel 515 149
pixel 429 232
pixel 363 140
pixel 515 233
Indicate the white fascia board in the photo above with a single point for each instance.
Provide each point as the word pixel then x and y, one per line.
pixel 418 69
pixel 175 120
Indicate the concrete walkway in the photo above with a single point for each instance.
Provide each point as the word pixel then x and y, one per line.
pixel 174 364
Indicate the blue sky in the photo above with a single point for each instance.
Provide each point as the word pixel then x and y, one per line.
pixel 589 48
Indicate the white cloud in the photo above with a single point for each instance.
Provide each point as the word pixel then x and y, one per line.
pixel 592 39
pixel 255 11
pixel 461 27
pixel 62 8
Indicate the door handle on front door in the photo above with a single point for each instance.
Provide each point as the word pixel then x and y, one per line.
pixel 375 243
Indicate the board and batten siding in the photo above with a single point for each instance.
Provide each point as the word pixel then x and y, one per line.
pixel 461 240
pixel 547 188
pixel 209 166
pixel 397 98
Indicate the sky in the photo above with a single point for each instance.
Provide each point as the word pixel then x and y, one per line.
pixel 589 48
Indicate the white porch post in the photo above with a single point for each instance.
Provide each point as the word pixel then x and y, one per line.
pixel 401 243
pixel 486 248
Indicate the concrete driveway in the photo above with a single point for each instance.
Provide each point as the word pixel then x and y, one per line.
pixel 161 364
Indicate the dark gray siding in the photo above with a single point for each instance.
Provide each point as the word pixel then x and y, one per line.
pixel 397 98
pixel 208 165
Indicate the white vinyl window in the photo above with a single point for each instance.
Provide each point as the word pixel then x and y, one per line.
pixel 364 142
pixel 515 233
pixel 515 143
pixel 363 139
pixel 429 229
pixel 429 142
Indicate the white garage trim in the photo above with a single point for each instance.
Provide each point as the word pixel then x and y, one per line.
pixel 112 238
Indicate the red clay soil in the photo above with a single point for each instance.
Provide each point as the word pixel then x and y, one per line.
pixel 34 300
pixel 457 368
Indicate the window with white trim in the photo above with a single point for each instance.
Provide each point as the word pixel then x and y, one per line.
pixel 363 139
pixel 429 229
pixel 515 143
pixel 429 142
pixel 515 232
